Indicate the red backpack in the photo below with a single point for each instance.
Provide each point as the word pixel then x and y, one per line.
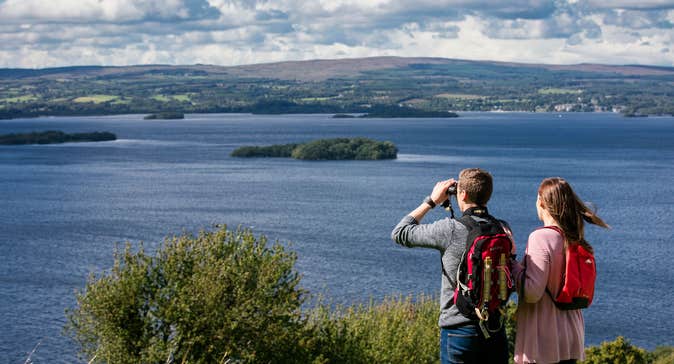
pixel 483 281
pixel 580 273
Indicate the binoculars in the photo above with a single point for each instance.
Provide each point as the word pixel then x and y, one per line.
pixel 451 191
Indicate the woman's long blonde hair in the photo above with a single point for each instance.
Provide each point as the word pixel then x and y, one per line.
pixel 568 210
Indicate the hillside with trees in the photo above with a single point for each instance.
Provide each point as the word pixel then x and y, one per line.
pixel 338 86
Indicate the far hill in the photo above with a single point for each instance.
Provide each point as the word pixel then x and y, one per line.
pixel 337 86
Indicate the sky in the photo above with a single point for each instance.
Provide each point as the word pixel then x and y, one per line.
pixel 54 33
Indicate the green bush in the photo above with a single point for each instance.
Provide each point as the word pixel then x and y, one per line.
pixel 663 355
pixel 222 296
pixel 619 351
pixel 398 330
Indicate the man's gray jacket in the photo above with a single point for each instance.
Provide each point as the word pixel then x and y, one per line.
pixel 449 237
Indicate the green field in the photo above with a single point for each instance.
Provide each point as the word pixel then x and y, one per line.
pixel 317 99
pixel 24 98
pixel 459 96
pixel 558 91
pixel 169 98
pixel 96 99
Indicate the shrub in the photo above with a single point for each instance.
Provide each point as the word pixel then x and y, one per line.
pixel 398 330
pixel 222 296
pixel 619 351
pixel 663 355
pixel 511 328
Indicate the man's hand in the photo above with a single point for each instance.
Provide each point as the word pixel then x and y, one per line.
pixel 439 194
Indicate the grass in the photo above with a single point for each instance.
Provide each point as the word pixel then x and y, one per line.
pixel 121 101
pixel 169 98
pixel 24 98
pixel 96 99
pixel 59 99
pixel 415 101
pixel 558 91
pixel 459 96
pixel 318 99
pixel 397 330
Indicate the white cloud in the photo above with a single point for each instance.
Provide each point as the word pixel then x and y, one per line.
pixel 115 32
pixel 632 4
pixel 63 11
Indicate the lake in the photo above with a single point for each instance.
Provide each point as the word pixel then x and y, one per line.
pixel 65 207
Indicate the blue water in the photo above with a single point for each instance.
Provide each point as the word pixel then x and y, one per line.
pixel 64 207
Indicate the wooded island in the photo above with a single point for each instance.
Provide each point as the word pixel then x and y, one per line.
pixel 55 137
pixel 324 149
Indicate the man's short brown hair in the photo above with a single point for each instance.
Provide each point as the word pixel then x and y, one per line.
pixel 478 185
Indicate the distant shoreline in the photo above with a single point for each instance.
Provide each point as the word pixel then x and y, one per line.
pixel 142 114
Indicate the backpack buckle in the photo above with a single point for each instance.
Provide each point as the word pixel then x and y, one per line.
pixel 484 329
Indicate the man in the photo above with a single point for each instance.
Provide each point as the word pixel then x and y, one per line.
pixel 461 339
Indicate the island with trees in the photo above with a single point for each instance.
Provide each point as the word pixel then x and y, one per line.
pixel 55 137
pixel 324 149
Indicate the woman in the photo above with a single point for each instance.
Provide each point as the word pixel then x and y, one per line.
pixel 546 334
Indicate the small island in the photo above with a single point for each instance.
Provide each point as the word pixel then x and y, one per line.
pixel 165 116
pixel 55 137
pixel 324 149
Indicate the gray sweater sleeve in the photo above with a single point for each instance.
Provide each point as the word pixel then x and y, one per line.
pixel 436 235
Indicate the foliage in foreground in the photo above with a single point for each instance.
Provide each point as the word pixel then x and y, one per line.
pixel 229 297
pixel 219 297
pixel 397 330
pixel 621 351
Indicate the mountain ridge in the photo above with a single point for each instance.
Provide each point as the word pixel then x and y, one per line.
pixel 323 69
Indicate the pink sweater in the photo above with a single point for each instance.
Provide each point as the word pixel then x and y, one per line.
pixel 545 334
